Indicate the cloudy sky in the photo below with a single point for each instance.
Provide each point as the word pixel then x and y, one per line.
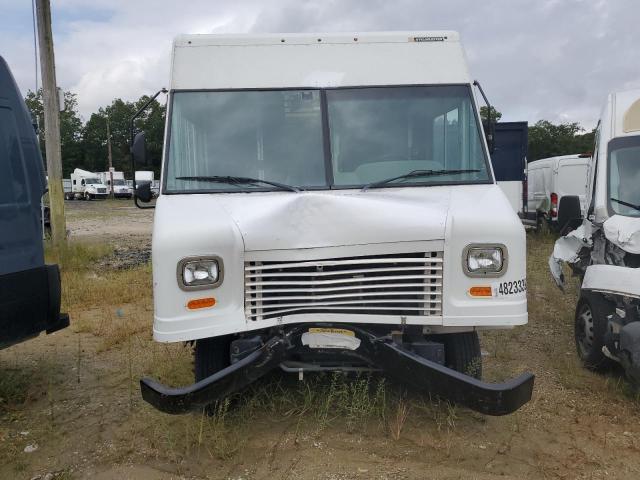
pixel 537 59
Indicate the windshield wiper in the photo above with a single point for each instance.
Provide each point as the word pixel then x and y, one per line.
pixel 239 181
pixel 416 173
pixel 626 204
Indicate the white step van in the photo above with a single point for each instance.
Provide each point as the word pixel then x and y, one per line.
pixel 327 203
pixel 550 179
pixel 604 250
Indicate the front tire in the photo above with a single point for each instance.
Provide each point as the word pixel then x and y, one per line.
pixel 462 353
pixel 590 328
pixel 211 355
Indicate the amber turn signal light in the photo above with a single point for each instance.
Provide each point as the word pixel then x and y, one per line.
pixel 201 303
pixel 483 291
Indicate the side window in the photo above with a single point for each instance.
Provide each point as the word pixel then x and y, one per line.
pixel 82 183
pixel 13 186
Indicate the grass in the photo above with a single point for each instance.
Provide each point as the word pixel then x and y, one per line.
pixel 114 306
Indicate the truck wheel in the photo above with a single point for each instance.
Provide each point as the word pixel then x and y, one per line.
pixel 462 353
pixel 211 355
pixel 590 329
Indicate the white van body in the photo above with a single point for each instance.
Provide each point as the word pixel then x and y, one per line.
pixel 605 250
pixel 550 179
pixel 310 251
pixel 86 186
pixel 326 224
pixel 120 187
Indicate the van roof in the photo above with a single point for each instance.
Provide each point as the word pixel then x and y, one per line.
pixel 317 60
pixel 560 158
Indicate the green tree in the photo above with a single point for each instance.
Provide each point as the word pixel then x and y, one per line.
pixel 70 128
pixel 119 114
pixel 549 140
pixel 495 114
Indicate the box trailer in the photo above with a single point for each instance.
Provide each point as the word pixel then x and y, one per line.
pixel 327 203
pixel 509 160
pixel 604 249
pixel 29 288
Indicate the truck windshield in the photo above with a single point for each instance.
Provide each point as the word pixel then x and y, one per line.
pixel 118 181
pixel 336 138
pixel 624 175
pixel 91 180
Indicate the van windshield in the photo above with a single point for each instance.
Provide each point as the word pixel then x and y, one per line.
pixel 336 138
pixel 624 176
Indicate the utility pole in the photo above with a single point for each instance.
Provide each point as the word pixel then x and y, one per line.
pixel 111 189
pixel 51 124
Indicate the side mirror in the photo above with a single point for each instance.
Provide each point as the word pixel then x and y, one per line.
pixel 489 128
pixel 143 192
pixel 569 213
pixel 139 149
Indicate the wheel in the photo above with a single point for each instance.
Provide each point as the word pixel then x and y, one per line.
pixel 87 196
pixel 211 355
pixel 462 353
pixel 590 329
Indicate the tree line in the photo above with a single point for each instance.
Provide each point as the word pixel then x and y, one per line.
pixel 547 139
pixel 85 145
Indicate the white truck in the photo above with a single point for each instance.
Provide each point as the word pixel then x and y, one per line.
pixel 604 250
pixel 86 186
pixel 551 179
pixel 327 203
pixel 120 187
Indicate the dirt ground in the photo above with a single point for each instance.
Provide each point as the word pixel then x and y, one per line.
pixel 70 405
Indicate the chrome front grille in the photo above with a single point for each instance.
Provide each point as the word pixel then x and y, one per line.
pixel 102 190
pixel 396 284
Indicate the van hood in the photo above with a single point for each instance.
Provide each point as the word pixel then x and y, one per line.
pixel 325 219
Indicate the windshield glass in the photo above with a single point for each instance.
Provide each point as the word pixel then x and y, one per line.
pixel 624 175
pixel 118 181
pixel 378 133
pixel 91 180
pixel 371 134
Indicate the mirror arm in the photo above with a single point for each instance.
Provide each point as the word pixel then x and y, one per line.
pixel 486 100
pixel 131 138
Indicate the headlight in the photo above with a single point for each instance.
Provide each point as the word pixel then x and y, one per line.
pixel 198 273
pixel 484 260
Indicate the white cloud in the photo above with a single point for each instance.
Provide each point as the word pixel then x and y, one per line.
pixel 549 59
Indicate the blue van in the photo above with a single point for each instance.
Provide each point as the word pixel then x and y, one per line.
pixel 29 289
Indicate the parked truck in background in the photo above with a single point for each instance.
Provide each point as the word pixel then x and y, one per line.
pixel 319 212
pixel 551 179
pixel 86 186
pixel 29 289
pixel 119 188
pixel 604 250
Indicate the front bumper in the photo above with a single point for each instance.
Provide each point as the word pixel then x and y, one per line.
pixel 382 353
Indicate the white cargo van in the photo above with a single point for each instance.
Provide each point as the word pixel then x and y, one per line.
pixel 550 179
pixel 605 250
pixel 327 203
pixel 120 187
pixel 86 186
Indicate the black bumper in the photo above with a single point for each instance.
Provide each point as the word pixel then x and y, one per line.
pixel 379 352
pixel 30 304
